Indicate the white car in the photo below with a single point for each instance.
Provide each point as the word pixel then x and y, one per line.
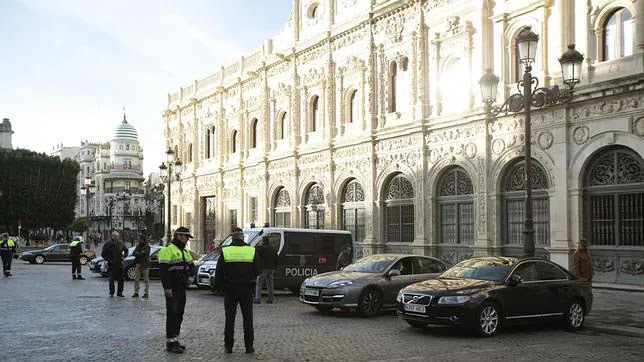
pixel 206 270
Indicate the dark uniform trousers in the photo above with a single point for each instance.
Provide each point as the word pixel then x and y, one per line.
pixel 7 257
pixel 174 312
pixel 116 273
pixel 76 265
pixel 242 295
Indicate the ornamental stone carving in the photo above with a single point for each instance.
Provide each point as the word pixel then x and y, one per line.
pixel 632 266
pixel 581 134
pixel 638 126
pixel 470 150
pixel 498 146
pixel 606 107
pixel 603 264
pixel 545 140
pixel 456 134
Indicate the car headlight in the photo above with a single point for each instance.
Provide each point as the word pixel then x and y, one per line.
pixel 399 297
pixel 340 283
pixel 454 299
pixel 205 268
pixel 211 271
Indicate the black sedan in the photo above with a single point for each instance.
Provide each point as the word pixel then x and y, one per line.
pixel 488 292
pixel 55 253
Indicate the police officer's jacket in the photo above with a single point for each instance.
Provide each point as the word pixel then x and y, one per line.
pixel 8 246
pixel 75 248
pixel 238 266
pixel 175 265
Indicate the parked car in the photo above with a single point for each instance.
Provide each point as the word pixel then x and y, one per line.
pixel 489 292
pixel 369 284
pixel 55 253
pixel 207 269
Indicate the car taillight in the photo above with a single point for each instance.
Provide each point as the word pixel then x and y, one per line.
pixel 322 260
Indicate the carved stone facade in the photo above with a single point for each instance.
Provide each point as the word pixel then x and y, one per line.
pixel 384 95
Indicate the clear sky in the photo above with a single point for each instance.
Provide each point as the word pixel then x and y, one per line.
pixel 67 67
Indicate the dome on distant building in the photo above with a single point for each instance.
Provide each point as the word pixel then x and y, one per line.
pixel 125 131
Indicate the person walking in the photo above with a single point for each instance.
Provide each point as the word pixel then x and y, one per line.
pixel 268 260
pixel 7 249
pixel 75 250
pixel 582 261
pixel 114 252
pixel 142 263
pixel 236 274
pixel 344 258
pixel 176 271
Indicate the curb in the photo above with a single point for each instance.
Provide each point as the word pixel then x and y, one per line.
pixel 621 289
pixel 616 329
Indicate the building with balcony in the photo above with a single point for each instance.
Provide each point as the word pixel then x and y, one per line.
pixel 116 193
pixel 6 134
pixel 367 116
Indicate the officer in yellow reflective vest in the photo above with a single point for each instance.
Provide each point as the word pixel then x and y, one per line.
pixel 176 269
pixel 236 274
pixel 7 248
pixel 75 250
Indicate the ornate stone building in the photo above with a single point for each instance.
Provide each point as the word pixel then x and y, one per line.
pixel 6 134
pixel 366 115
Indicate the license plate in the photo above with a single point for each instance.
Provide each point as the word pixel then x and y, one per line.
pixel 312 292
pixel 414 308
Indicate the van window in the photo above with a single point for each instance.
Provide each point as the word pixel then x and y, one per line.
pixel 274 240
pixel 331 243
pixel 300 244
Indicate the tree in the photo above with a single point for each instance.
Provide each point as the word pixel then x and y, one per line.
pixel 36 190
pixel 80 225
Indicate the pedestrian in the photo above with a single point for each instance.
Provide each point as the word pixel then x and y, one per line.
pixel 211 247
pixel 582 261
pixel 344 258
pixel 268 260
pixel 176 269
pixel 75 250
pixel 7 248
pixel 236 274
pixel 142 263
pixel 114 252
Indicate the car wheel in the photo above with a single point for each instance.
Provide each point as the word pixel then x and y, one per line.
pixel 369 303
pixel 488 319
pixel 416 324
pixel 574 316
pixel 323 309
pixel 83 260
pixel 130 273
pixel 40 259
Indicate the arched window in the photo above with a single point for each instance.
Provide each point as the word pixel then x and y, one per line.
pixel 614 199
pixel 353 107
pixel 393 80
pixel 353 210
pixel 453 77
pixel 617 35
pixel 189 156
pixel 399 210
pixel 253 133
pixel 455 208
pixel 233 142
pixel 315 113
pixel 282 209
pixel 281 126
pixel 513 199
pixel 314 209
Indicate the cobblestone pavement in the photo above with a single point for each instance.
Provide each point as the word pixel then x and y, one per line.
pixel 49 317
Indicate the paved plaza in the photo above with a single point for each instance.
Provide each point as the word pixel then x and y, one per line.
pixel 49 317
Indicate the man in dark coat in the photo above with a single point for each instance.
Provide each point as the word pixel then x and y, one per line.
pixel 142 264
pixel 114 252
pixel 237 270
pixel 268 259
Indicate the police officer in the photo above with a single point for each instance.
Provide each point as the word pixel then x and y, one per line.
pixel 7 248
pixel 176 268
pixel 236 273
pixel 75 250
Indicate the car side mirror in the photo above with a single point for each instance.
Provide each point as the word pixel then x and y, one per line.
pixel 515 280
pixel 393 273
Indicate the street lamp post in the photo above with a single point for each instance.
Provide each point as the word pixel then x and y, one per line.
pixel 525 100
pixel 87 189
pixel 166 170
pixel 123 197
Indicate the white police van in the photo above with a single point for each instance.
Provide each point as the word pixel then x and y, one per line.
pixel 302 253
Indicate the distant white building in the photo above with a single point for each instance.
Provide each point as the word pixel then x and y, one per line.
pixel 6 134
pixel 115 168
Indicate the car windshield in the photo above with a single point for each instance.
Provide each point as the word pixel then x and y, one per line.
pixel 212 256
pixel 371 264
pixel 478 269
pixel 249 236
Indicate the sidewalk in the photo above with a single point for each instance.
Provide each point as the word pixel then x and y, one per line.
pixel 617 309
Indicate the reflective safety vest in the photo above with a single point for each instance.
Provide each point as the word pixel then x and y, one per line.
pixel 239 254
pixel 175 257
pixel 7 245
pixel 74 243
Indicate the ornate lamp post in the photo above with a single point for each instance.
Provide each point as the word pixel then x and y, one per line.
pixel 88 188
pixel 525 100
pixel 123 198
pixel 167 176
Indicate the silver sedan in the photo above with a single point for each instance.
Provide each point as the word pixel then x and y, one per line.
pixel 370 283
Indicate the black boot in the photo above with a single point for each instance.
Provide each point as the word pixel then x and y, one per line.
pixel 80 277
pixel 74 277
pixel 173 347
